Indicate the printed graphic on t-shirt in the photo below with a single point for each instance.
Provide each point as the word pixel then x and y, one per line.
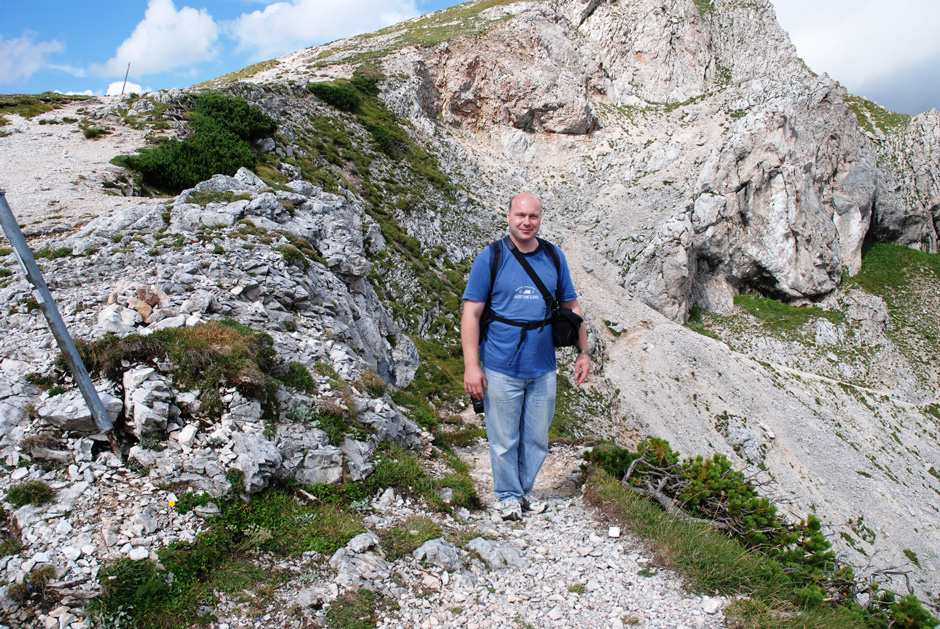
pixel 527 292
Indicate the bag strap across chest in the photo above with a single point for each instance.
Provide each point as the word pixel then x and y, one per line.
pixel 551 303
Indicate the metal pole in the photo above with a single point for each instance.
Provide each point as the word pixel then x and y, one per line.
pixel 56 324
pixel 125 77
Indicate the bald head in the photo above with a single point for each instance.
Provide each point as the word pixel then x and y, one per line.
pixel 526 200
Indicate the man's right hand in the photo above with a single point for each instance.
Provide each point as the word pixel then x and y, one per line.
pixel 474 382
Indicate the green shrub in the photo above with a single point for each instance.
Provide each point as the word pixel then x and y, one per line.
pixel 775 562
pixel 34 492
pixel 221 128
pixel 189 500
pixel 93 133
pixel 235 115
pixel 299 377
pixel 339 94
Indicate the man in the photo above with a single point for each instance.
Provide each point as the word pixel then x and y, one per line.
pixel 517 378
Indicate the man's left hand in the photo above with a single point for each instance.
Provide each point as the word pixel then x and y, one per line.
pixel 582 365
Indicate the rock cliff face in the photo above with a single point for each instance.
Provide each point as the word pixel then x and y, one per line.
pixel 759 174
pixel 908 192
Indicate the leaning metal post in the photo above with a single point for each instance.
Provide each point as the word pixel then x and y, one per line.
pixel 56 324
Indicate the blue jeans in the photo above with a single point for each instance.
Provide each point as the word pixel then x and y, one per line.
pixel 518 412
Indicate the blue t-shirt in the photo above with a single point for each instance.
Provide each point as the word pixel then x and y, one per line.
pixel 516 297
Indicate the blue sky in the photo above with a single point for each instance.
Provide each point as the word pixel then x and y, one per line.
pixel 891 55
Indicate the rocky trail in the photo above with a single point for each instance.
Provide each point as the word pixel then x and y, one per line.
pixel 562 568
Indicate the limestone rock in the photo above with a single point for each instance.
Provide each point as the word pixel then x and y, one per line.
pixel 440 553
pixel 358 458
pixel 907 210
pixel 69 412
pixel 258 458
pixel 147 401
pixel 498 556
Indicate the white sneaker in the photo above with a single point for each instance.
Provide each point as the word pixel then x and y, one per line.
pixel 531 505
pixel 510 509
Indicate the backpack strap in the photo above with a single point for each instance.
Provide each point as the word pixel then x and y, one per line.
pixel 553 254
pixel 495 254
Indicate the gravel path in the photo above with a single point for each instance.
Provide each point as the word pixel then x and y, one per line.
pixel 52 174
pixel 563 568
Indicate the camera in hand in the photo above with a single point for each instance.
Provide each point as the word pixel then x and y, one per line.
pixel 477 405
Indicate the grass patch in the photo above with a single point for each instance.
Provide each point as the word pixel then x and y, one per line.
pixel 11 540
pixel 778 317
pixel 29 105
pixel 430 30
pixel 408 536
pixel 908 281
pixel 438 382
pixel 205 197
pixel 887 268
pixel 33 492
pixel 238 75
pixel 93 133
pixel 461 438
pixel 356 610
pixel 299 378
pixel 696 323
pixel 204 355
pixel 171 594
pixel 52 254
pixel 208 356
pixel 871 115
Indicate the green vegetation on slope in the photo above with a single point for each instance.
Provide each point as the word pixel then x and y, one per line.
pixel 429 30
pixel 29 105
pixel 872 115
pixel 224 558
pixel 778 317
pixel 221 128
pixel 787 573
pixel 908 281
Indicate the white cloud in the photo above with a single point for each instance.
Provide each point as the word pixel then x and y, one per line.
pixel 84 93
pixel 114 89
pixel 21 57
pixel 165 39
pixel 284 27
pixel 858 42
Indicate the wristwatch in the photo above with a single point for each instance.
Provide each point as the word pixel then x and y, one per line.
pixel 584 351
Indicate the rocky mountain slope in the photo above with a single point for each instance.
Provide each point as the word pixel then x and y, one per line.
pixel 685 157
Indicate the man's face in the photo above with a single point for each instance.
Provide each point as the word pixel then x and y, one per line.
pixel 525 218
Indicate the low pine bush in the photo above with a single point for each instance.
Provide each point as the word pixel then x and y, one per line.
pixel 759 552
pixel 221 129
